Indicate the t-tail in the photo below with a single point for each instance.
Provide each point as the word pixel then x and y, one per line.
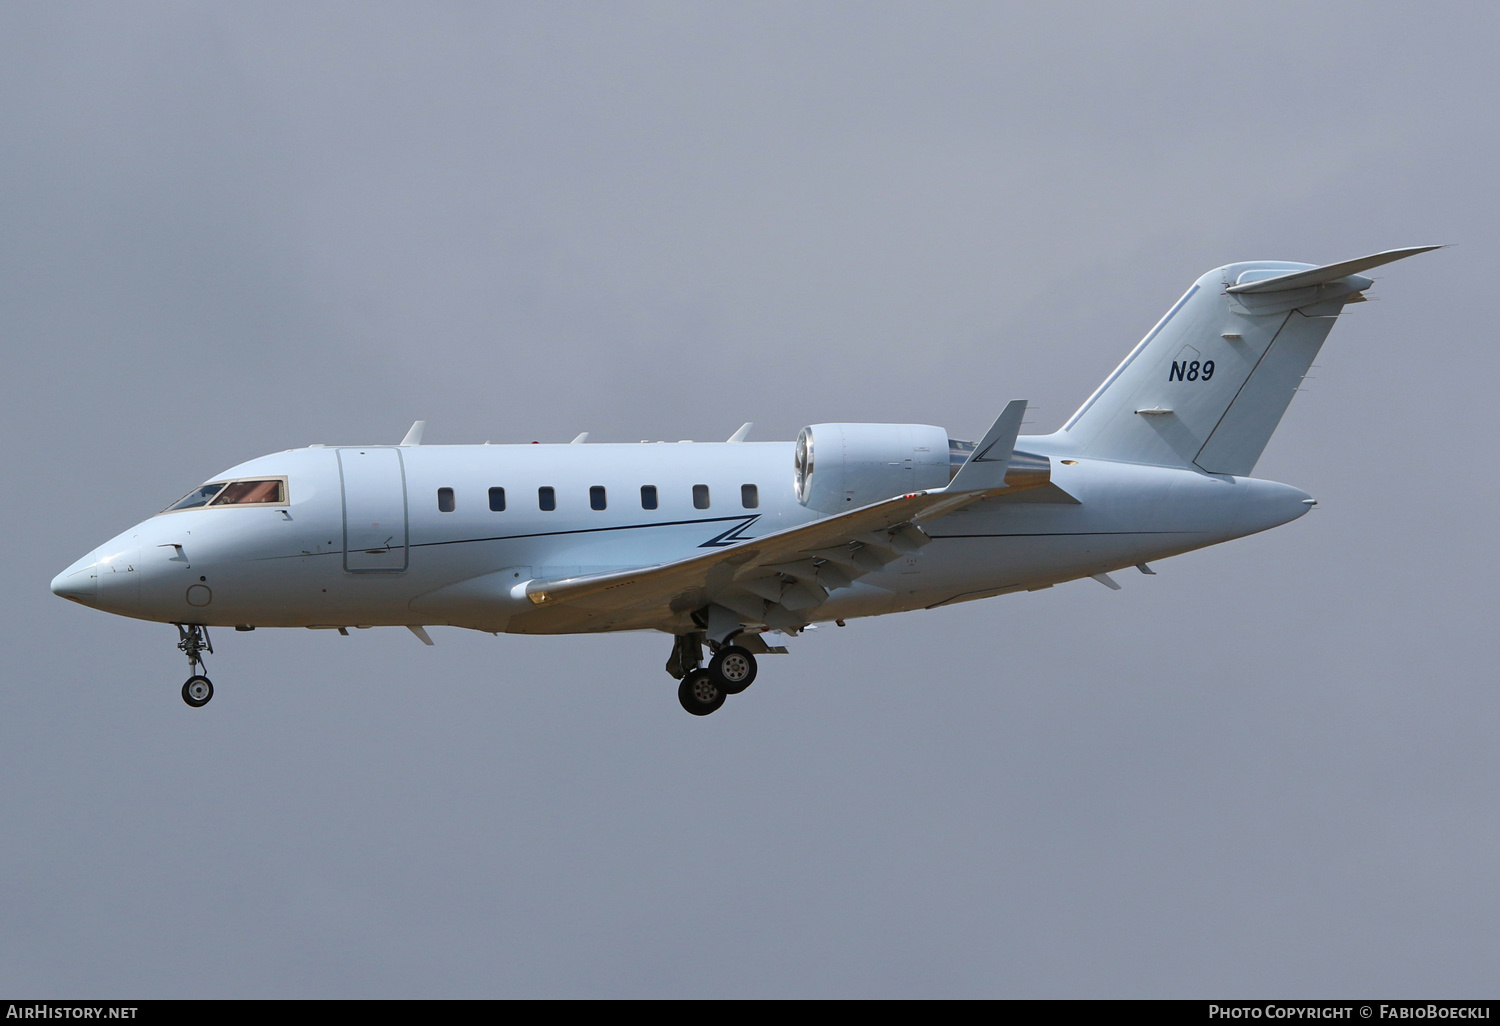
pixel 1207 386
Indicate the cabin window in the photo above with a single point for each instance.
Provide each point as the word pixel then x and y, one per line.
pixel 546 498
pixel 749 496
pixel 445 500
pixel 700 496
pixel 497 500
pixel 648 496
pixel 597 497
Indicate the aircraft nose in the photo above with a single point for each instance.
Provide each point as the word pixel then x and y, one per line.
pixel 79 582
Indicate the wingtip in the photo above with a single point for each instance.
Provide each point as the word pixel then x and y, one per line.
pixel 1406 251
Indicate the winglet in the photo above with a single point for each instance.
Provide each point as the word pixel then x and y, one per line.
pixel 583 436
pixel 986 465
pixel 1329 272
pixel 739 436
pixel 420 632
pixel 414 436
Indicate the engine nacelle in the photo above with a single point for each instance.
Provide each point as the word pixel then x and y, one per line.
pixel 845 466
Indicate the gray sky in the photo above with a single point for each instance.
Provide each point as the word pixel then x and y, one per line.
pixel 230 229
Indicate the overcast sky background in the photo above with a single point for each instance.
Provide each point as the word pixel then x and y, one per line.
pixel 232 229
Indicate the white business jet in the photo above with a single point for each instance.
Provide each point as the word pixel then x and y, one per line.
pixel 720 544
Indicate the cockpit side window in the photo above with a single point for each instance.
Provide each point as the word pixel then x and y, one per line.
pixel 256 492
pixel 251 493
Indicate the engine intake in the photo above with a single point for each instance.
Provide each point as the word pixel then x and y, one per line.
pixel 844 466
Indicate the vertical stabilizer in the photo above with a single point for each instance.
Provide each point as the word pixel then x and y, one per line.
pixel 1209 383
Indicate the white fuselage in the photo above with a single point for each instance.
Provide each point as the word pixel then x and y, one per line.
pixel 362 540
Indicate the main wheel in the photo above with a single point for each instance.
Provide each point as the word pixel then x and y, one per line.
pixel 700 693
pixel 197 691
pixel 733 668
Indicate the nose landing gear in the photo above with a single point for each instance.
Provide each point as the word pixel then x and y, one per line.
pixel 193 641
pixel 197 691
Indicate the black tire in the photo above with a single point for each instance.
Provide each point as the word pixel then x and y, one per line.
pixel 198 691
pixel 700 694
pixel 733 669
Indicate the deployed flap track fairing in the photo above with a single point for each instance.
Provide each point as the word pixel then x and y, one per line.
pixel 720 543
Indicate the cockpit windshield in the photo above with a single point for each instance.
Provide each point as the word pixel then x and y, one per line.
pixel 257 492
pixel 197 497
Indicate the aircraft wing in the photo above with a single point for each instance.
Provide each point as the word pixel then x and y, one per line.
pixel 778 579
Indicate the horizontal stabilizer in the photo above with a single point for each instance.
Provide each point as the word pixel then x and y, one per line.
pixel 1329 272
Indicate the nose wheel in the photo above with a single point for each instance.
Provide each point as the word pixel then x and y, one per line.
pixel 197 691
pixel 193 641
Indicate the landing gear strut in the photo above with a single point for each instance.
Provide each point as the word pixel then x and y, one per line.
pixel 193 641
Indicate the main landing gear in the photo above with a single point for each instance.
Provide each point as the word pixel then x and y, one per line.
pixel 703 690
pixel 700 694
pixel 193 641
pixel 733 668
